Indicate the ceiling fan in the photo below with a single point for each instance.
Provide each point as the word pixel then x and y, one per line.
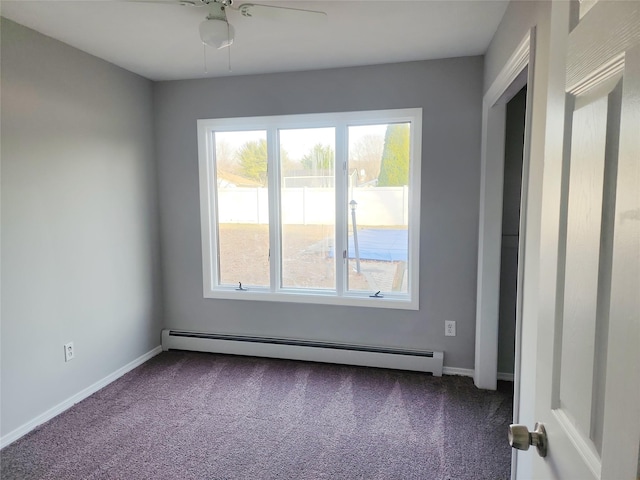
pixel 217 32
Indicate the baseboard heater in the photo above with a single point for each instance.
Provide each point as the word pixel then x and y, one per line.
pixel 367 356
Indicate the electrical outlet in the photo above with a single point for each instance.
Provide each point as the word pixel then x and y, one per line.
pixel 68 351
pixel 449 328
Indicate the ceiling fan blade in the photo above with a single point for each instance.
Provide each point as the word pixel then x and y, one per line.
pixel 187 3
pixel 281 13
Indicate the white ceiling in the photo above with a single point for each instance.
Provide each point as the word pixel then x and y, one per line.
pixel 161 41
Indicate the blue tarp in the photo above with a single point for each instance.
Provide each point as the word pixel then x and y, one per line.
pixel 381 244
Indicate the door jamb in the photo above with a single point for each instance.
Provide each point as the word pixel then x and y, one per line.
pixel 517 72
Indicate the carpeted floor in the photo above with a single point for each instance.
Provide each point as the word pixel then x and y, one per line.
pixel 186 415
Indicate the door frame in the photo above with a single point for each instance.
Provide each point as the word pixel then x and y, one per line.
pixel 516 73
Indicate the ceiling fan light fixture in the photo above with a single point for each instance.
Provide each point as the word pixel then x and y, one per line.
pixel 216 33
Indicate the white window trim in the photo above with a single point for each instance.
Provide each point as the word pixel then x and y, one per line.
pixel 271 124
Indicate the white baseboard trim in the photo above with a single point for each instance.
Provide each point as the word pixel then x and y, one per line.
pixel 463 372
pixel 468 372
pixel 507 377
pixel 78 397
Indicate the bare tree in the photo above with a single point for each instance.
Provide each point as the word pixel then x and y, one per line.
pixel 226 160
pixel 365 156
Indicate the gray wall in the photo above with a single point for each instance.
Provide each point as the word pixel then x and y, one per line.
pixel 450 93
pixel 80 249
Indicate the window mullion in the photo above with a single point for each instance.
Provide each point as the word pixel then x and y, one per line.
pixel 341 229
pixel 273 174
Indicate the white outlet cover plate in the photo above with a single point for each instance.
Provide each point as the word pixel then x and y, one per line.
pixel 450 328
pixel 68 351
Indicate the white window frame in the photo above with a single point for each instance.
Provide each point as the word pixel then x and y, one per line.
pixel 271 124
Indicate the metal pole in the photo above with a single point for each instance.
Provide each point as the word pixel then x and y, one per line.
pixel 353 204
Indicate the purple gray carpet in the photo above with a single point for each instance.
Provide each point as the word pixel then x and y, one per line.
pixel 188 415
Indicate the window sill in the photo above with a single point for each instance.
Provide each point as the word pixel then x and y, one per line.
pixel 399 302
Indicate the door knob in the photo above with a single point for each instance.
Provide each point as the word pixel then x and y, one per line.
pixel 521 438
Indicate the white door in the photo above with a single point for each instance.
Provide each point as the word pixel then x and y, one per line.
pixel 588 362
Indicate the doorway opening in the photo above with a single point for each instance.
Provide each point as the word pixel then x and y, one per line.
pixel 511 206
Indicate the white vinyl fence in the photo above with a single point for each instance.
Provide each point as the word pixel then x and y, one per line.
pixel 314 206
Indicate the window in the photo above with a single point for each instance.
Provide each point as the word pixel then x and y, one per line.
pixel 321 208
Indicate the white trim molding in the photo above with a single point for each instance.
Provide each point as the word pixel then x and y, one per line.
pixel 78 397
pixel 461 372
pixel 507 377
pixel 517 72
pixel 469 372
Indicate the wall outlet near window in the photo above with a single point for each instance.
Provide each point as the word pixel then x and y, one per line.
pixel 68 351
pixel 449 328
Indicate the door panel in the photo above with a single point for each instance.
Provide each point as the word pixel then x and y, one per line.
pixel 586 176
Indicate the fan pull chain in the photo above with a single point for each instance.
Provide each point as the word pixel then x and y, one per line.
pixel 204 57
pixel 229 47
